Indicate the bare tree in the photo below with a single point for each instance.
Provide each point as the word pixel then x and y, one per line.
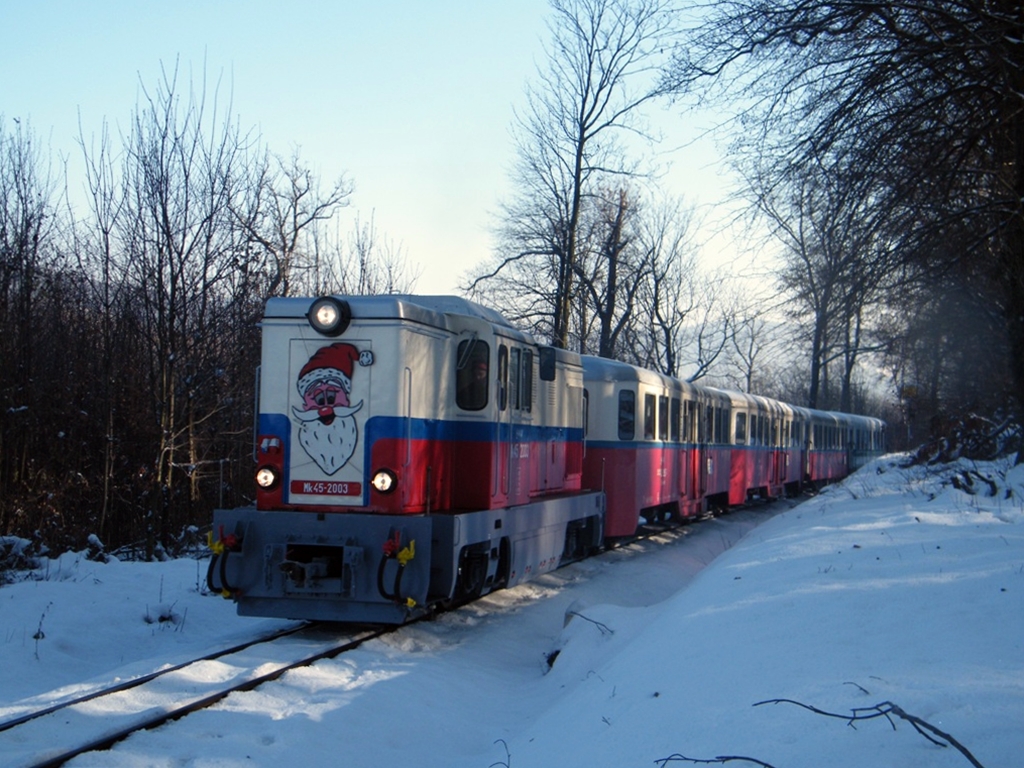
pixel 837 264
pixel 612 277
pixel 281 217
pixel 182 244
pixel 27 217
pixel 680 327
pixel 927 100
pixel 750 342
pixel 362 261
pixel 101 264
pixel 570 142
pixel 129 329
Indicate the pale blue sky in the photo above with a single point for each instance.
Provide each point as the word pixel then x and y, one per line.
pixel 413 101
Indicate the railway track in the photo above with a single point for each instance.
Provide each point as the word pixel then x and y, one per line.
pixel 53 735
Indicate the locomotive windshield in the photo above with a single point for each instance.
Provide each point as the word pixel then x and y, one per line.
pixel 472 366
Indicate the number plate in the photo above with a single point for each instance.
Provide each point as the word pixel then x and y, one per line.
pixel 326 488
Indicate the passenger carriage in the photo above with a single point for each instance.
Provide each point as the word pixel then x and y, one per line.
pixel 866 440
pixel 827 454
pixel 840 443
pixel 765 458
pixel 653 445
pixel 624 456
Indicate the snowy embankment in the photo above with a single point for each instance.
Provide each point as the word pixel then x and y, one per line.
pixel 894 586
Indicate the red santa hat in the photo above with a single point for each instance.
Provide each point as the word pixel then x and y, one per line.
pixel 331 363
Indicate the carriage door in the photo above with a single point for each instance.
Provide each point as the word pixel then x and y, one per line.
pixel 504 453
pixel 678 451
pixel 700 480
pixel 665 472
pixel 515 401
pixel 776 479
pixel 692 449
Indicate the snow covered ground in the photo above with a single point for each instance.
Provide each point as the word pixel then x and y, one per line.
pixel 894 586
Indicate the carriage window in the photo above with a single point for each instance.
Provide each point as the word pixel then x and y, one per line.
pixel 677 418
pixel 526 395
pixel 649 417
pixel 502 377
pixel 586 412
pixel 513 380
pixel 627 414
pixel 663 418
pixel 472 363
pixel 755 436
pixel 741 429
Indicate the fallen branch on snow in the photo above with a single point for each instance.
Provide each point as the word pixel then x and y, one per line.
pixel 886 709
pixel 677 758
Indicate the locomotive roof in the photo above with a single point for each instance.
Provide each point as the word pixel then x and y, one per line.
pixel 428 310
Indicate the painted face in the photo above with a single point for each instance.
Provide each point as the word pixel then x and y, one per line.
pixel 323 396
pixel 327 428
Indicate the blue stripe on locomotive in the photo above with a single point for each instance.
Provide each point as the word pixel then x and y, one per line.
pixel 399 427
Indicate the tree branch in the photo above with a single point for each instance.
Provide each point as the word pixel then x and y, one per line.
pixel 886 709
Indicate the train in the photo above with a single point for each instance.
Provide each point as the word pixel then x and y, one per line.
pixel 416 452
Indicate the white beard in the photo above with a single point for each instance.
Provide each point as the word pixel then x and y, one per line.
pixel 329 445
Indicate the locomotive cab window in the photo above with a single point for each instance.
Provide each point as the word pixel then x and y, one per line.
pixel 472 365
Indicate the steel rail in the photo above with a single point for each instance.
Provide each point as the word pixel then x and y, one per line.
pixel 134 682
pixel 156 719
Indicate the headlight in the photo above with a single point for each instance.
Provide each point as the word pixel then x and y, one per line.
pixel 384 481
pixel 266 478
pixel 329 316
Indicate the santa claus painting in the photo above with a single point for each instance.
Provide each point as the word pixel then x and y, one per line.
pixel 327 425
